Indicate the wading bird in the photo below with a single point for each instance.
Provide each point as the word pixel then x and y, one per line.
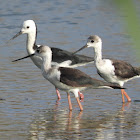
pixel 68 79
pixel 30 28
pixel 111 70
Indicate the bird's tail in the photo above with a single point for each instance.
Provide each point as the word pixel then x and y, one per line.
pixel 116 86
pixel 103 84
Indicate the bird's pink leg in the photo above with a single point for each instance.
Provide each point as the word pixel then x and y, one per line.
pixel 78 101
pixel 81 95
pixel 123 100
pixel 126 95
pixel 69 101
pixel 58 94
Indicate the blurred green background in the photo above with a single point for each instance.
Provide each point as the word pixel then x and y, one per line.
pixel 131 20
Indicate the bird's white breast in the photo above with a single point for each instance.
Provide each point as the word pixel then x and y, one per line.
pixel 53 76
pixel 106 70
pixel 37 61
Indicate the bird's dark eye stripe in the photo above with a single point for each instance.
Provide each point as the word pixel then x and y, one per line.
pixel 37 51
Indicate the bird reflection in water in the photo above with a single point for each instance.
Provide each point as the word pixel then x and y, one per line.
pixel 126 106
pixel 55 123
pixel 64 124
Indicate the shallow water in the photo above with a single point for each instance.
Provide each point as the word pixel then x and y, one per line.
pixel 28 105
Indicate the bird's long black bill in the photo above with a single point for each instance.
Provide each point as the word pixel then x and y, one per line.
pixel 24 57
pixel 18 34
pixel 80 49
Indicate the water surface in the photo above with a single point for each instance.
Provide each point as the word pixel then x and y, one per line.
pixel 28 105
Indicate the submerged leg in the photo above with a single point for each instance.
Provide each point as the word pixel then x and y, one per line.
pixel 126 95
pixel 58 94
pixel 123 100
pixel 69 101
pixel 127 104
pixel 81 95
pixel 78 101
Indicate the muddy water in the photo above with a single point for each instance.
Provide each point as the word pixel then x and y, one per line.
pixel 28 105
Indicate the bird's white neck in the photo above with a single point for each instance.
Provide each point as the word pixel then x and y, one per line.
pixel 46 63
pixel 98 53
pixel 31 39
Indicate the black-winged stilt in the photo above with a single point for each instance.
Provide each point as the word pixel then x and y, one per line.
pixel 113 71
pixel 68 79
pixel 29 27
